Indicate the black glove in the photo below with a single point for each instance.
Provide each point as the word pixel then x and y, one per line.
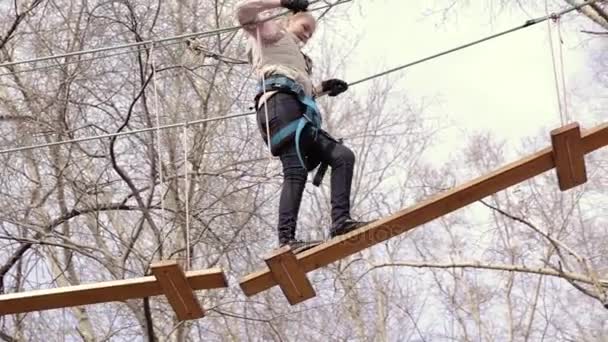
pixel 295 5
pixel 334 86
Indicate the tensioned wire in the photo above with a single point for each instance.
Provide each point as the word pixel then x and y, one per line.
pixel 559 95
pixel 161 40
pixel 528 23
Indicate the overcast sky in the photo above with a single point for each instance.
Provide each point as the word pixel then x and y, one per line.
pixel 505 86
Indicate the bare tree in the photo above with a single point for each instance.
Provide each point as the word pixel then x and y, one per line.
pixel 525 264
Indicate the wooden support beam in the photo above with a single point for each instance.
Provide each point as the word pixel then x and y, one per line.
pixel 177 290
pixel 288 274
pixel 109 291
pixel 430 209
pixel 569 156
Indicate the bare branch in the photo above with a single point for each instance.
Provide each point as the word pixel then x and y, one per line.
pixel 19 17
pixel 495 267
pixel 555 242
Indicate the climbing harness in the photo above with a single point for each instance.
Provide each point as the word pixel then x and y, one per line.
pixel 311 116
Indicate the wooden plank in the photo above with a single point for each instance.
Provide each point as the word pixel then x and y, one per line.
pixel 177 290
pixel 569 156
pixel 288 274
pixel 109 291
pixel 595 138
pixel 430 209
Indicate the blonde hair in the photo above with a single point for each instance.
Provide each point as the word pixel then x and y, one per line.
pixel 285 21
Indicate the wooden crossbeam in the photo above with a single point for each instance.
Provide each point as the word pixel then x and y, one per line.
pixel 286 272
pixel 177 290
pixel 569 156
pixel 109 291
pixel 430 209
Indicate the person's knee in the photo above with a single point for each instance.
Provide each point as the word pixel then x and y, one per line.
pixel 297 173
pixel 345 155
pixel 349 156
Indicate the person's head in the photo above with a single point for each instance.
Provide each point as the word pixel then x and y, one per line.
pixel 302 25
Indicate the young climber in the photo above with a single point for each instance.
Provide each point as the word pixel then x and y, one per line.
pixel 286 110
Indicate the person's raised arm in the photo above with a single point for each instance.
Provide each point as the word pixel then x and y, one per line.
pixel 248 15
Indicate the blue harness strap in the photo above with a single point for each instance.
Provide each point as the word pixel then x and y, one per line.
pixel 312 115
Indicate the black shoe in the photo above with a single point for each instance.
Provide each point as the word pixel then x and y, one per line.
pixel 292 243
pixel 299 245
pixel 347 227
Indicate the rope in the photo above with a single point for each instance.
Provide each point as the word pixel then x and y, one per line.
pixel 561 61
pixel 161 40
pixel 221 118
pixel 528 23
pixel 195 47
pixel 56 65
pixel 132 132
pixel 555 76
pixel 187 196
pixel 158 137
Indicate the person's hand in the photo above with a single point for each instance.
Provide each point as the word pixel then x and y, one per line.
pixel 334 86
pixel 295 5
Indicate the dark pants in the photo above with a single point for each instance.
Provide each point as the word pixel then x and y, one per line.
pixel 315 147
